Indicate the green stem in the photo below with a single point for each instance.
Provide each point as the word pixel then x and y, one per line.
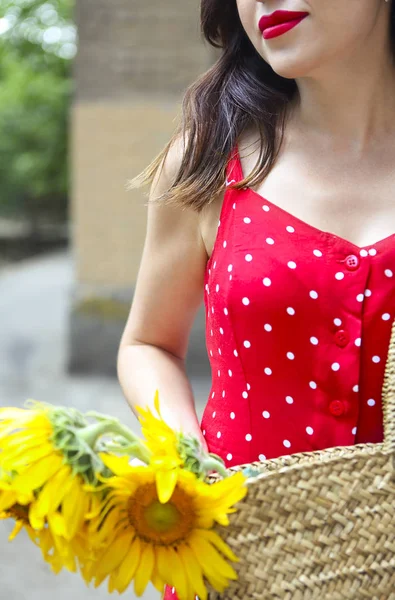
pixel 211 464
pixel 130 450
pixel 91 434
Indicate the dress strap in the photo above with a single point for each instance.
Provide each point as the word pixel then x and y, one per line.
pixel 234 172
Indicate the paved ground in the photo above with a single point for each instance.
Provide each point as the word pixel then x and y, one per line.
pixel 34 304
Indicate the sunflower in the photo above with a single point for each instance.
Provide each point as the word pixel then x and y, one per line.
pixel 16 506
pixel 172 451
pixel 143 539
pixel 48 462
pixel 55 551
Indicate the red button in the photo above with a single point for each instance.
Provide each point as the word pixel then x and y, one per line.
pixel 336 407
pixel 342 338
pixel 352 262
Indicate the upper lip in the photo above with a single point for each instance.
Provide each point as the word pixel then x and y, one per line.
pixel 279 16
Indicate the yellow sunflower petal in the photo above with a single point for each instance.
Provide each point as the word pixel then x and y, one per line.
pixel 119 465
pixel 194 572
pixel 143 574
pixel 16 530
pixel 218 542
pixel 57 523
pixel 112 582
pixel 157 581
pixel 7 499
pixel 20 459
pixel 46 542
pixel 114 555
pixel 166 481
pixel 36 520
pixel 74 507
pixel 81 546
pixel 160 437
pixel 99 580
pixel 222 519
pixel 11 413
pixel 218 582
pixel 38 473
pixel 179 575
pixel 204 520
pixel 162 563
pixel 107 528
pixel 28 420
pixel 55 563
pixel 52 494
pixel 156 402
pixel 217 502
pixel 233 484
pixel 26 438
pixel 64 556
pixel 210 559
pixel 95 504
pixel 100 515
pixel 127 569
pixel 34 536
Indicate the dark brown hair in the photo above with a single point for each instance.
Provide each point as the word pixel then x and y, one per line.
pixel 239 91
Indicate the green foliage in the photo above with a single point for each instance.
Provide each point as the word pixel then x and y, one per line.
pixel 37 44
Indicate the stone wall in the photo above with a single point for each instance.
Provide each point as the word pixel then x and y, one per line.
pixel 145 46
pixel 135 60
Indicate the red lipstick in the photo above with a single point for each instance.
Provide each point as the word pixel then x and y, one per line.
pixel 279 22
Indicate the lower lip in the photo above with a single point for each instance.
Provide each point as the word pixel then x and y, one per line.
pixel 277 30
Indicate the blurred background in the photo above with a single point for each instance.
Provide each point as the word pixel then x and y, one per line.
pixel 90 91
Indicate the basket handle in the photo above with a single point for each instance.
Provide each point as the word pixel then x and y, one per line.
pixel 388 395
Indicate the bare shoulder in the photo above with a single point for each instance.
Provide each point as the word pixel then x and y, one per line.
pixel 170 282
pixel 207 218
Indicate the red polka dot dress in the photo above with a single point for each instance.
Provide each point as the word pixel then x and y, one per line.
pixel 298 323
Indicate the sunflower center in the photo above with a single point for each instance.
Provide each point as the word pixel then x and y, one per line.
pixel 162 517
pixel 19 513
pixel 161 523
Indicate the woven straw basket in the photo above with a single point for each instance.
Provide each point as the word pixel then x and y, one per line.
pixel 319 525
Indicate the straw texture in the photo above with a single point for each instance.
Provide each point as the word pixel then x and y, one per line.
pixel 319 525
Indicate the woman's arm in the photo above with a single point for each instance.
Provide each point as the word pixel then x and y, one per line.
pixel 169 291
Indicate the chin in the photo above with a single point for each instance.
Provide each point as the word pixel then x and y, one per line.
pixel 291 68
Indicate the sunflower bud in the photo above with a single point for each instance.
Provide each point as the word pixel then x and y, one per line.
pixel 195 458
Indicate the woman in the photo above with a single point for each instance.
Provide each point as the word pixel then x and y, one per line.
pixel 278 205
